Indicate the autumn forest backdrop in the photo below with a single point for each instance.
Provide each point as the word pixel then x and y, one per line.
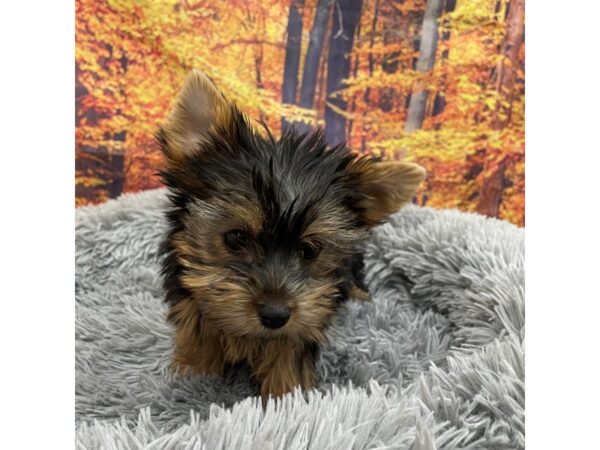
pixel 439 82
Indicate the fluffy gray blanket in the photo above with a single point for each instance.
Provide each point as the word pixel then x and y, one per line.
pixel 435 361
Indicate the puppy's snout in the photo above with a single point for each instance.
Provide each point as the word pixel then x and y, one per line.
pixel 273 316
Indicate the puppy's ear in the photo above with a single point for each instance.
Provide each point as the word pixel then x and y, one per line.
pixel 386 187
pixel 198 108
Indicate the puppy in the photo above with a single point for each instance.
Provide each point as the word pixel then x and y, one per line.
pixel 264 238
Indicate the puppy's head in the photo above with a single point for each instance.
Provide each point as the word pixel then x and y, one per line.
pixel 262 229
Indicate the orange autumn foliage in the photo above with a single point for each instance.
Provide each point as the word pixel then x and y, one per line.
pixel 131 57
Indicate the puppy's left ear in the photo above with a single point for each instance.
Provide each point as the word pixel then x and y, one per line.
pixel 387 186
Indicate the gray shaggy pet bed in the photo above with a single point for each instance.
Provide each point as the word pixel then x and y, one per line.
pixel 435 361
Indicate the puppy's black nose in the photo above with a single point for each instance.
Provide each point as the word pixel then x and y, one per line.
pixel 273 316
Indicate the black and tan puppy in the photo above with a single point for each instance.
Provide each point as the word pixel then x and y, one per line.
pixel 264 237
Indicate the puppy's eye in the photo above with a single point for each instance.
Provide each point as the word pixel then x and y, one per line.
pixel 310 250
pixel 236 239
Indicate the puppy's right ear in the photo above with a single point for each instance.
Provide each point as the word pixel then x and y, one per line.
pixel 198 108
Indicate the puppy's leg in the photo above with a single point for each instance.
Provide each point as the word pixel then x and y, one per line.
pixel 196 351
pixel 283 366
pixel 200 355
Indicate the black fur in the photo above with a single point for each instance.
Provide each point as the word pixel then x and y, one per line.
pixel 291 178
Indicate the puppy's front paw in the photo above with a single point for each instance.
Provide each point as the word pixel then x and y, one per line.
pixel 289 367
pixel 204 366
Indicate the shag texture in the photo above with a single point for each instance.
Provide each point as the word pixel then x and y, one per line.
pixel 434 361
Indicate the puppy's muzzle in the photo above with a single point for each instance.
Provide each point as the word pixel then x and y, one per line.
pixel 273 316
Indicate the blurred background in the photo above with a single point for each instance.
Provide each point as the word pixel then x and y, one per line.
pixel 438 82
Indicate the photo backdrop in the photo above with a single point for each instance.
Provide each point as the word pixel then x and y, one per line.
pixel 438 82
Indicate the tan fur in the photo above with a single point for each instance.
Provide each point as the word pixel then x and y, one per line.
pixel 194 352
pixel 218 323
pixel 358 294
pixel 331 229
pixel 389 185
pixel 278 364
pixel 199 108
pixel 281 366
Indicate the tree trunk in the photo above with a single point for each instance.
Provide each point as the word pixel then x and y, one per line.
pixel 258 63
pixel 354 73
pixel 427 48
pixel 321 90
pixel 491 190
pixel 389 64
pixel 116 163
pixel 507 73
pixel 345 20
pixel 367 94
pixel 292 57
pixel 439 102
pixel 313 57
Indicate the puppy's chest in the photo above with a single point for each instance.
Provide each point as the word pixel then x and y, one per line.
pixel 252 350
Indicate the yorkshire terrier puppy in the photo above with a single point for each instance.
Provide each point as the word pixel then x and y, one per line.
pixel 264 239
